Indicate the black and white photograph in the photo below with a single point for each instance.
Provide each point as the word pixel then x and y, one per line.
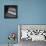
pixel 31 34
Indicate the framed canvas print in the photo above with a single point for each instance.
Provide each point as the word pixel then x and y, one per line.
pixel 32 32
pixel 10 11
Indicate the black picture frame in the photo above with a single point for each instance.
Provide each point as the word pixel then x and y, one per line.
pixel 10 11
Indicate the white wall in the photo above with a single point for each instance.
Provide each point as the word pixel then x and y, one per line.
pixel 7 45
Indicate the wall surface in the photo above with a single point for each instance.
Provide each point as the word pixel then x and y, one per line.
pixel 29 12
